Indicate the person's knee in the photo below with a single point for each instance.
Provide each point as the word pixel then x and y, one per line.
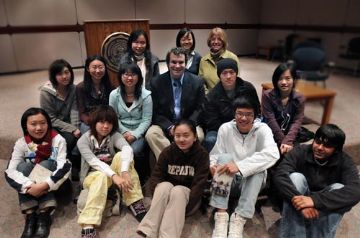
pixel 49 164
pixel 164 188
pixel 153 132
pixel 25 168
pixel 224 158
pixel 300 182
pixel 179 192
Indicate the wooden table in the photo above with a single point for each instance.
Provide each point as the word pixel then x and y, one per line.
pixel 313 93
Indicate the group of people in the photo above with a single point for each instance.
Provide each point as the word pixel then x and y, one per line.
pixel 199 120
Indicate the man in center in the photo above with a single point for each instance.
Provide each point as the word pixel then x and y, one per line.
pixel 176 94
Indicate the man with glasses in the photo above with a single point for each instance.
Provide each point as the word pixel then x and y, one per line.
pixel 218 105
pixel 319 183
pixel 176 94
pixel 244 149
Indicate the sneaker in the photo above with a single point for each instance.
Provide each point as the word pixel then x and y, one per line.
pixel 138 209
pixel 236 226
pixel 88 233
pixel 221 225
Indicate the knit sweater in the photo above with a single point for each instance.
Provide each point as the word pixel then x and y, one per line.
pixel 188 169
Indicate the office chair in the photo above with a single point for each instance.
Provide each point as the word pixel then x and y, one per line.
pixel 353 52
pixel 310 63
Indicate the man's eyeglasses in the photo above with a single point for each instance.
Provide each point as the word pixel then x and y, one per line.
pixel 247 115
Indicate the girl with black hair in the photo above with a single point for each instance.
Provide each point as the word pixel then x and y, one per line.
pixel 40 145
pixel 103 166
pixel 138 52
pixel 283 107
pixel 94 90
pixel 58 99
pixel 186 40
pixel 133 106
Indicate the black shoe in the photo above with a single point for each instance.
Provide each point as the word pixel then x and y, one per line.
pixel 30 225
pixel 43 225
pixel 138 209
pixel 88 233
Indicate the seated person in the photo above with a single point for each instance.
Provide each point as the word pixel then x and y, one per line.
pixel 94 90
pixel 42 146
pixel 177 183
pixel 58 99
pixel 283 107
pixel 133 106
pixel 102 166
pixel 176 94
pixel 319 183
pixel 244 150
pixel 218 105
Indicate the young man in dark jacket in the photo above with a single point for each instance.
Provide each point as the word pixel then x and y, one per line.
pixel 319 183
pixel 218 105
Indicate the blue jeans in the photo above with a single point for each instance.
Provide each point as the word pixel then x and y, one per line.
pixel 249 189
pixel 210 140
pixel 29 202
pixel 84 128
pixel 141 159
pixel 294 225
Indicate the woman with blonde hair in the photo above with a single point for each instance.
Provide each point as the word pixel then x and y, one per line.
pixel 217 42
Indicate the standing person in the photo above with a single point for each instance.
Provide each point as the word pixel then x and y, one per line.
pixel 176 94
pixel 283 107
pixel 319 183
pixel 186 39
pixel 58 99
pixel 219 101
pixel 138 51
pixel 40 146
pixel 217 42
pixel 133 106
pixel 244 150
pixel 177 183
pixel 94 90
pixel 102 167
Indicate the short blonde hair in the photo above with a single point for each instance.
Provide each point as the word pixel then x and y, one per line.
pixel 222 35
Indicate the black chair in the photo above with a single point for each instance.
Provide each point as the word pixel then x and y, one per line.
pixel 310 63
pixel 353 52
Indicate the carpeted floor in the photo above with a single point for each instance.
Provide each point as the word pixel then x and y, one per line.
pixel 20 91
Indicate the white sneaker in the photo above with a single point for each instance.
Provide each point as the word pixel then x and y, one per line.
pixel 236 226
pixel 221 225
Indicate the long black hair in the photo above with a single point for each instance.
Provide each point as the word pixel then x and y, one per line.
pixel 105 81
pixel 32 111
pixel 132 68
pixel 279 71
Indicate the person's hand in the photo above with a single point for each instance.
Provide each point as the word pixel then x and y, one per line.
pixel 310 213
pixel 284 148
pixel 301 202
pixel 229 168
pixel 130 139
pixel 213 169
pixel 123 181
pixel 171 131
pixel 77 133
pixel 37 189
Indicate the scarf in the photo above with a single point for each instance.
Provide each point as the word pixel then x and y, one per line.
pixel 139 57
pixel 42 150
pixel 216 56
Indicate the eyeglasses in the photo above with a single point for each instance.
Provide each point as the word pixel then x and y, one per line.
pixel 247 115
pixel 128 75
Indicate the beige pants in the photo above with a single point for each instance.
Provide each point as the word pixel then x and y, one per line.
pixel 166 217
pixel 157 140
pixel 98 184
